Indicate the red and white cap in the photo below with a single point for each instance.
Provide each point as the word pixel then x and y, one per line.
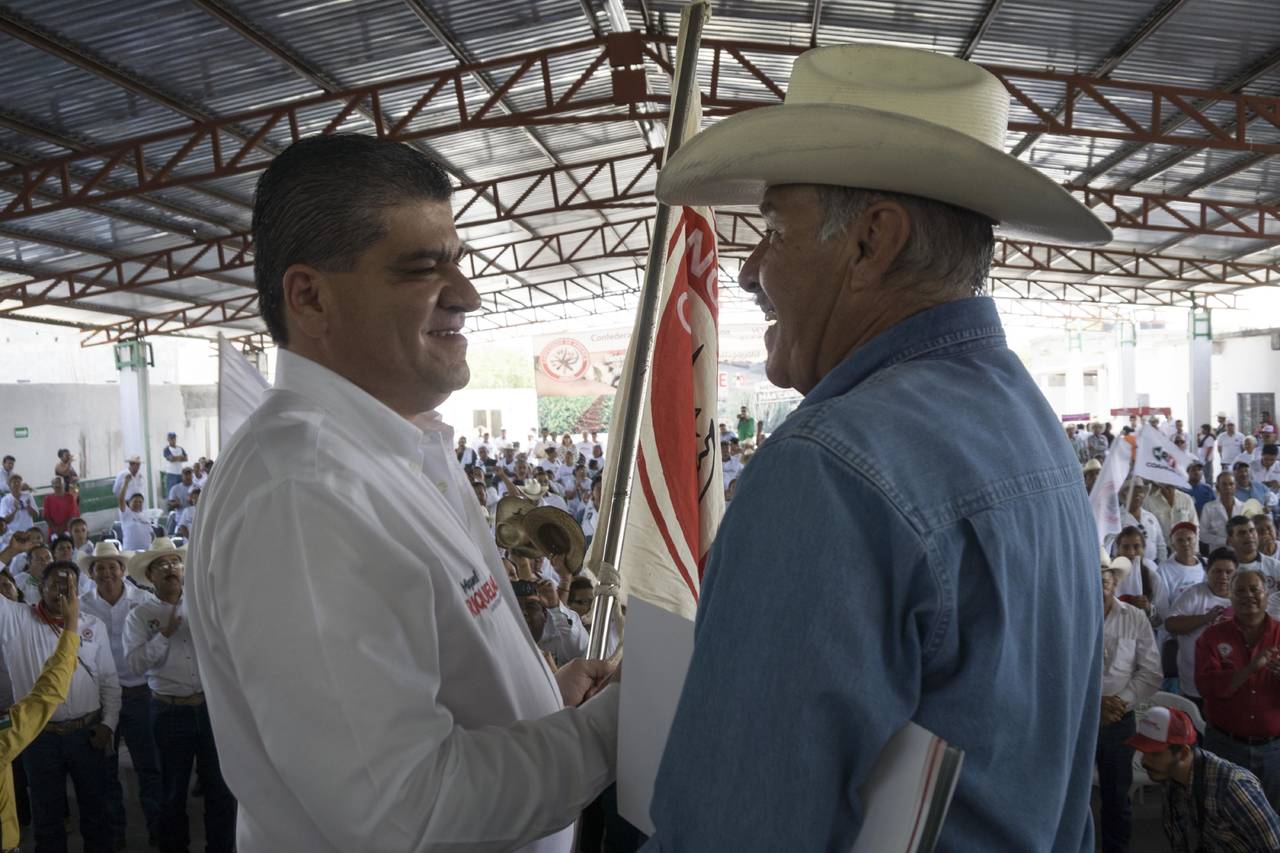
pixel 1160 727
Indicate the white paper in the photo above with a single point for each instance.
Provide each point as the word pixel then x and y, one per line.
pixel 659 646
pixel 895 795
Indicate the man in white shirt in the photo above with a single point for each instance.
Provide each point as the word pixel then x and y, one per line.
pixel 1184 568
pixel 1242 537
pixel 135 528
pixel 730 464
pixel 29 573
pixel 158 645
pixel 18 508
pixel 544 441
pixel 1230 445
pixel 186 521
pixel 466 456
pixel 1130 676
pixel 1196 609
pixel 1142 584
pixel 1170 506
pixel 75 742
pixel 178 492
pixel 557 629
pixel 404 707
pixel 198 475
pixel 130 481
pixel 111 600
pixel 550 461
pixel 1134 492
pixel 175 459
pixel 503 443
pixel 1268 467
pixel 1216 514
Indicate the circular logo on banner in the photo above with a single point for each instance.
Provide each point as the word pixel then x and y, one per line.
pixel 564 359
pixel 1224 649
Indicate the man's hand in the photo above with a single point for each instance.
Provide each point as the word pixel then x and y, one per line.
pixel 559 562
pixel 580 679
pixel 69 607
pixel 1113 708
pixel 547 594
pixel 1140 602
pixel 1214 614
pixel 1267 658
pixel 100 736
pixel 174 622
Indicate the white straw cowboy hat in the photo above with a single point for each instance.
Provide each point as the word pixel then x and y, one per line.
pixel 102 551
pixel 1119 566
pixel 881 118
pixel 162 547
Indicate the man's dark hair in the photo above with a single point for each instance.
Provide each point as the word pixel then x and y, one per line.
pixel 1239 465
pixel 1224 553
pixel 320 202
pixel 63 450
pixel 77 520
pixel 580 583
pixel 1238 521
pixel 55 567
pixel 1132 530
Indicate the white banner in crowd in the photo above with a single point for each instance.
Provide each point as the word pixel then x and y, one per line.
pixel 1159 459
pixel 241 388
pixel 1104 497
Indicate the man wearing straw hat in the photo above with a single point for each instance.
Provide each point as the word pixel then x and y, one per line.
pixel 405 707
pixel 948 595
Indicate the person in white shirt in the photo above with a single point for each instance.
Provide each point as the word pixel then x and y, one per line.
pixel 731 466
pixel 1134 494
pixel 502 443
pixel 1196 609
pixel 186 521
pixel 28 573
pixel 1170 506
pixel 80 536
pixel 1242 537
pixel 130 481
pixel 507 462
pixel 591 512
pixel 1230 445
pixel 135 528
pixel 199 477
pixel 75 743
pixel 111 600
pixel 1184 568
pixel 175 460
pixel 540 446
pixel 405 706
pixel 1207 441
pixel 1130 676
pixel 1215 514
pixel 550 461
pixel 557 629
pixel 1268 473
pixel 178 492
pixel 1266 528
pixel 158 645
pixel 18 508
pixel 466 456
pixel 1142 584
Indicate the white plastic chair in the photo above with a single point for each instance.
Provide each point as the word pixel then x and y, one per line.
pixel 1180 703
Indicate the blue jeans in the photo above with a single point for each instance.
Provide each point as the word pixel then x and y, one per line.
pixel 48 760
pixel 184 738
pixel 1262 761
pixel 1115 775
pixel 135 730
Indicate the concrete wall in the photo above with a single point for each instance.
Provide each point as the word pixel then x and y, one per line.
pixel 518 408
pixel 86 419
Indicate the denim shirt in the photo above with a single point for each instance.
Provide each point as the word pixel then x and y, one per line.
pixel 914 543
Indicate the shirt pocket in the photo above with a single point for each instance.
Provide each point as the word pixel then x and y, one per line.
pixel 1124 654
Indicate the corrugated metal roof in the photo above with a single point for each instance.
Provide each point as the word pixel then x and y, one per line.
pixel 180 52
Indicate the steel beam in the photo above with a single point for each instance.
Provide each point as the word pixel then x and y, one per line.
pixel 984 24
pixel 434 104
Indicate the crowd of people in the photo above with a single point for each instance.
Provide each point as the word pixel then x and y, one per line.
pixel 1190 604
pixel 134 678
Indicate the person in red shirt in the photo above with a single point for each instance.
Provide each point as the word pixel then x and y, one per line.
pixel 60 507
pixel 1238 674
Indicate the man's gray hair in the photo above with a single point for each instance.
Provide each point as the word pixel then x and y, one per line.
pixel 1248 573
pixel 949 250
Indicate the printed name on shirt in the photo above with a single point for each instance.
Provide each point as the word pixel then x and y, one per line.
pixel 479 595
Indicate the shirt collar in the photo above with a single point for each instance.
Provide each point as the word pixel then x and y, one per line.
pixel 949 325
pixel 341 398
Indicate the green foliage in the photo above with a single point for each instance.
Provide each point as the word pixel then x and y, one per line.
pixel 499 367
pixel 575 414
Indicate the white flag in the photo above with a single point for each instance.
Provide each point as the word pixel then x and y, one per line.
pixel 1159 459
pixel 240 390
pixel 1104 497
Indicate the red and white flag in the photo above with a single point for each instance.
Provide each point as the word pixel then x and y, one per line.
pixel 677 495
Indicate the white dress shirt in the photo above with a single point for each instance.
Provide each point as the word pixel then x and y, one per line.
pixel 30 587
pixel 180 492
pixel 136 485
pixel 187 517
pixel 1268 475
pixel 564 636
pixel 169 663
pixel 1132 583
pixel 170 466
pixel 1195 601
pixel 28 641
pixel 24 518
pixel 732 469
pixel 1175 579
pixel 1213 523
pixel 405 708
pixel 590 518
pixel 1155 549
pixel 136 531
pixel 1182 509
pixel 1130 663
pixel 114 617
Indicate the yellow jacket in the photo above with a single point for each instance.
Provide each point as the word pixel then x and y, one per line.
pixel 26 720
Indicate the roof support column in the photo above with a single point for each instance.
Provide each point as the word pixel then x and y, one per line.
pixel 1199 402
pixel 1128 363
pixel 133 358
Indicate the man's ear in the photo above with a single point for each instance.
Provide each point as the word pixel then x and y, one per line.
pixel 880 233
pixel 307 301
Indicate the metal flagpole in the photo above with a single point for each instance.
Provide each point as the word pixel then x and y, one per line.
pixel 693 18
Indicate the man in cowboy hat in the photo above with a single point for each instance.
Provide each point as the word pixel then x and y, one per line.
pixel 130 481
pixel 405 707
pixel 880 180
pixel 75 742
pixel 1130 676
pixel 158 645
pixel 111 600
